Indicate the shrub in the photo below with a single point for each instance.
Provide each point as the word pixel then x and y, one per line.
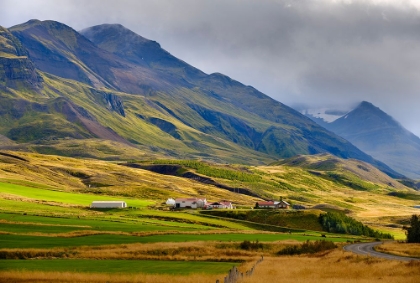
pixel 308 248
pixel 248 245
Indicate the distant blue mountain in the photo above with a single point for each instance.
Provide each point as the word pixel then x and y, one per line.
pixel 378 134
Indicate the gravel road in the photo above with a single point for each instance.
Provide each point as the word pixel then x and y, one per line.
pixel 367 249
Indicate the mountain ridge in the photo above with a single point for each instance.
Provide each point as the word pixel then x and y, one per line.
pixel 179 111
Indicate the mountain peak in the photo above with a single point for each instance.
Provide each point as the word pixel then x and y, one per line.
pixel 130 46
pixel 366 104
pixel 117 39
pixel 371 115
pixel 381 136
pixel 116 32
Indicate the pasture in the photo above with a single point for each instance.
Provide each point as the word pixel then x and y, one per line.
pixel 28 241
pixel 79 199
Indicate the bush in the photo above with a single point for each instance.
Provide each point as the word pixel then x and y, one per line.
pixel 247 245
pixel 308 248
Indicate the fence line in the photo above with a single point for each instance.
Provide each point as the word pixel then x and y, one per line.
pixel 234 275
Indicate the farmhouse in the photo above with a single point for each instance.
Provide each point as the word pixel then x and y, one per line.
pixel 265 204
pixel 190 203
pixel 273 204
pixel 283 204
pixel 108 204
pixel 221 205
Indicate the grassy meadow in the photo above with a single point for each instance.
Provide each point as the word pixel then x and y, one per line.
pixel 48 233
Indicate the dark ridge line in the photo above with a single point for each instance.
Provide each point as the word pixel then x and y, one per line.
pixel 13 156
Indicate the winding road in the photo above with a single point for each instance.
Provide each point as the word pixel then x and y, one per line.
pixel 367 249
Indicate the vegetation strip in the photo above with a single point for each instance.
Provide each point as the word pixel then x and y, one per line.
pixel 21 241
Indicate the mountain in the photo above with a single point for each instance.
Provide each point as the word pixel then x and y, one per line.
pixel 110 84
pixel 378 134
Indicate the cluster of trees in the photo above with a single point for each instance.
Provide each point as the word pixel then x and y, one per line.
pixel 413 232
pixel 335 222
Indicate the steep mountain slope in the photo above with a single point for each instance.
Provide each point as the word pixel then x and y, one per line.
pixel 282 140
pixel 132 91
pixel 16 70
pixel 378 134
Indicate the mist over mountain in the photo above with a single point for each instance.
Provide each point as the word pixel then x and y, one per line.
pixel 381 136
pixel 109 83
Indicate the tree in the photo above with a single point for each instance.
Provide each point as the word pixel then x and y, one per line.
pixel 413 232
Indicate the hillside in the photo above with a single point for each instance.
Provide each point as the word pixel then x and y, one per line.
pixel 378 134
pixel 120 87
pixel 334 187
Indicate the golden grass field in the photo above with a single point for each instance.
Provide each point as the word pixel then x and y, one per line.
pixel 335 267
pixel 44 277
pixel 331 267
pixel 400 249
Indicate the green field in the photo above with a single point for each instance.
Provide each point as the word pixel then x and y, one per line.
pixel 20 223
pixel 118 266
pixel 25 241
pixel 64 197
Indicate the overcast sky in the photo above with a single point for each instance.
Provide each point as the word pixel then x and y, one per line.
pixel 316 52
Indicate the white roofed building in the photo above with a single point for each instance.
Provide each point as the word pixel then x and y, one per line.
pixel 109 204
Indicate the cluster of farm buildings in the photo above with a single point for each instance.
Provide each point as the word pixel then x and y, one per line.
pixel 195 203
pixel 224 204
pixel 198 203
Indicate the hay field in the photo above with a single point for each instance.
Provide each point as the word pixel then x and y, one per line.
pixel 335 267
pixel 332 267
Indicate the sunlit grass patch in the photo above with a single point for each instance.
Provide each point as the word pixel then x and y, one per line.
pixel 64 197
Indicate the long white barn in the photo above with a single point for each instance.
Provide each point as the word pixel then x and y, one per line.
pixel 109 204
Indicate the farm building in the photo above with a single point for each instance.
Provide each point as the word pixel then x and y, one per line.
pixel 283 204
pixel 273 204
pixel 108 204
pixel 170 202
pixel 265 204
pixel 220 204
pixel 190 202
